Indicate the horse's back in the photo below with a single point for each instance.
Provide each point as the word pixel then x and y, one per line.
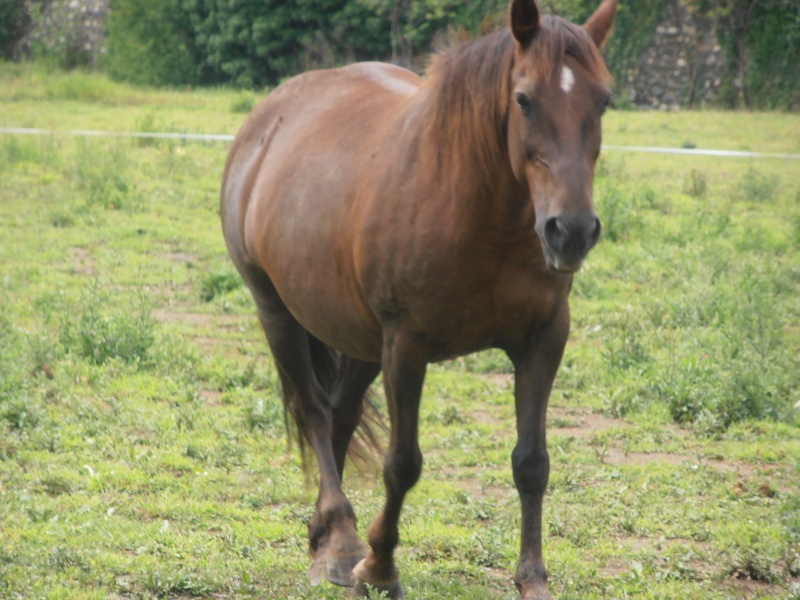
pixel 320 114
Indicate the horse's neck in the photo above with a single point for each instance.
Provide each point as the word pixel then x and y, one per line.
pixel 463 121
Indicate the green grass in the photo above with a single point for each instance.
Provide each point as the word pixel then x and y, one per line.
pixel 142 450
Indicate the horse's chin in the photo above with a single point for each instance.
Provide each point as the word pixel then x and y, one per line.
pixel 554 265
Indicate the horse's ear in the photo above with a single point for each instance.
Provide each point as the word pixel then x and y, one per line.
pixel 524 20
pixel 601 22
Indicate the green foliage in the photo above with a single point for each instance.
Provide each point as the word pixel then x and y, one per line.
pixel 148 43
pixel 101 176
pixel 100 331
pixel 244 103
pixel 14 23
pixel 756 186
pixel 622 206
pixel 761 42
pixel 219 282
pixel 773 45
pixel 250 43
pixel 737 368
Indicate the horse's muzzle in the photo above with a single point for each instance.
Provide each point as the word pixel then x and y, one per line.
pixel 567 239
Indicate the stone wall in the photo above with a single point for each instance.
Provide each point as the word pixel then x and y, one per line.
pixel 682 66
pixel 72 30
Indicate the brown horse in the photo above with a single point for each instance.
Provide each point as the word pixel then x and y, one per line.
pixel 383 222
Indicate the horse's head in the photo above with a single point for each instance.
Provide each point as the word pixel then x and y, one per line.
pixel 560 88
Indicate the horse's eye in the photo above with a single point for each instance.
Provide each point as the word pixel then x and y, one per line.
pixel 525 103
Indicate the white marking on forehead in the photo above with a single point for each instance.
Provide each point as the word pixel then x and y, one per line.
pixel 567 79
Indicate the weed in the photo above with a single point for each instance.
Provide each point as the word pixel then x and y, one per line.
pixel 219 282
pixel 56 485
pixel 62 558
pixel 696 185
pixel 619 210
pixel 166 584
pixel 62 219
pixel 17 149
pixel 100 174
pixel 755 186
pixel 752 566
pixel 261 414
pixel 102 331
pixel 20 413
pixel 627 351
pixel 147 124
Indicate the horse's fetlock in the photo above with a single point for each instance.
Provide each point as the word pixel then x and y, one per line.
pixel 337 512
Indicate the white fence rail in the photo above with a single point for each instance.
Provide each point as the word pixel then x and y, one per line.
pixel 219 137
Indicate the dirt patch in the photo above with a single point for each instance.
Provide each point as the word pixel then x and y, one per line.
pixel 579 423
pixel 747 588
pixel 616 457
pixel 182 317
pixel 487 417
pixel 639 543
pixel 178 257
pixel 726 466
pixel 502 381
pixel 614 568
pixel 656 545
pixel 210 397
pixel 220 321
pixel 83 261
pixel 466 478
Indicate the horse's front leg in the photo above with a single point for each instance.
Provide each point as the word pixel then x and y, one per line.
pixel 535 370
pixel 404 366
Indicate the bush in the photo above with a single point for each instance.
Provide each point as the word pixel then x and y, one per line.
pixel 773 44
pixel 15 21
pixel 149 43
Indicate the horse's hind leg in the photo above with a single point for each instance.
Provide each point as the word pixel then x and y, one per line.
pixel 336 559
pixel 338 546
pixel 347 403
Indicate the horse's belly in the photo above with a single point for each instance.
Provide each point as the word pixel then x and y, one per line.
pixel 300 239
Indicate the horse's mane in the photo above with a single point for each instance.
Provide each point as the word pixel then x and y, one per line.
pixel 469 87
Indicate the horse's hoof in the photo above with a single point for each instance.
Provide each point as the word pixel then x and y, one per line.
pixel 537 593
pixel 335 562
pixel 362 586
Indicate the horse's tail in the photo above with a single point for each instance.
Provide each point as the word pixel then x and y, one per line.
pixel 329 365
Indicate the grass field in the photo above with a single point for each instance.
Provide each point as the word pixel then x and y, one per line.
pixel 142 446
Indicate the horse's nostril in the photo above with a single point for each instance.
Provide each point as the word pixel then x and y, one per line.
pixel 595 235
pixel 554 233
